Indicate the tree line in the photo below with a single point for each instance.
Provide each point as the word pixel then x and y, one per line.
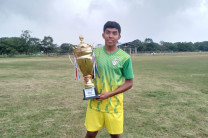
pixel 25 44
pixel 149 45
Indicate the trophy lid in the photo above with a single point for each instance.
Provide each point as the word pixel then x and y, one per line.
pixel 82 44
pixel 81 38
pixel 83 47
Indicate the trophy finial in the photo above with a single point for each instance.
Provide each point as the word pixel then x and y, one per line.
pixel 81 38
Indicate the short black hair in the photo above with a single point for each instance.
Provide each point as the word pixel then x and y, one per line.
pixel 112 24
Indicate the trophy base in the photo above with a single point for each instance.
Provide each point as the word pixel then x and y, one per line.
pixel 90 93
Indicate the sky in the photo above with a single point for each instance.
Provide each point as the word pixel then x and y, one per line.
pixel 66 20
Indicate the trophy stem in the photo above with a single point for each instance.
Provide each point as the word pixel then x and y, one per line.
pixel 89 84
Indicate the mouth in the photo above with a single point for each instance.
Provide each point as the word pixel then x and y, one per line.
pixel 110 41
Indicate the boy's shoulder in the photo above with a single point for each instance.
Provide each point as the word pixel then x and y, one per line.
pixel 123 53
pixel 98 49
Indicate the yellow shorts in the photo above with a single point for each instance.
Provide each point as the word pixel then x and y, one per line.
pixel 96 120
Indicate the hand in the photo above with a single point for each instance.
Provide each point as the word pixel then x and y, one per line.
pixel 104 96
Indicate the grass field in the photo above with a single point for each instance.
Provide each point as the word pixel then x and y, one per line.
pixel 40 98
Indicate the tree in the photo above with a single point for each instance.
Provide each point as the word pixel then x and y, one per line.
pixel 150 45
pixel 25 37
pixel 202 46
pixel 66 48
pixel 34 45
pixel 184 46
pixel 169 46
pixel 3 46
pixel 11 45
pixel 148 40
pixel 47 44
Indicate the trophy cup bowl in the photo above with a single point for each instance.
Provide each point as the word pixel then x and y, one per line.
pixel 85 61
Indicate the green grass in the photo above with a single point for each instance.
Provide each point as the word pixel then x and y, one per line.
pixel 40 98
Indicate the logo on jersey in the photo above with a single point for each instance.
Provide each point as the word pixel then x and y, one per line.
pixel 115 61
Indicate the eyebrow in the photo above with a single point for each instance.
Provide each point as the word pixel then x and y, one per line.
pixel 111 31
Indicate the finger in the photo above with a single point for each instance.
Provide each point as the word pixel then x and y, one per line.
pixel 99 99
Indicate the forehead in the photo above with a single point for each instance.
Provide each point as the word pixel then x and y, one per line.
pixel 111 29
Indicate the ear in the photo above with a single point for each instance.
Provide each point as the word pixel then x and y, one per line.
pixel 103 35
pixel 119 37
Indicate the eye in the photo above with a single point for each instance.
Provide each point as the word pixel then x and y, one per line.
pixel 107 32
pixel 115 33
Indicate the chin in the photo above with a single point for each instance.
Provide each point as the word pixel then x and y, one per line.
pixel 111 44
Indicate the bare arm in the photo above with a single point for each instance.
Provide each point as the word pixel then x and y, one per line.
pixel 126 86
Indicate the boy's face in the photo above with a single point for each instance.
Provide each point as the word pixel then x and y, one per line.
pixel 111 36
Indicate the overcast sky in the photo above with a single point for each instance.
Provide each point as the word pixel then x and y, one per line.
pixel 65 20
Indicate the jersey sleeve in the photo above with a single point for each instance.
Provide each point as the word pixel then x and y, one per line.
pixel 128 70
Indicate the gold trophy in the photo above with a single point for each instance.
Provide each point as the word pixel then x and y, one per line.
pixel 85 60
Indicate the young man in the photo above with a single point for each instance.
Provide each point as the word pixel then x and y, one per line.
pixel 116 76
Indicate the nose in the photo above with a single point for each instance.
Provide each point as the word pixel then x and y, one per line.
pixel 110 34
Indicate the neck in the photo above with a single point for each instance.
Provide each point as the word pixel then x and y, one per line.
pixel 110 49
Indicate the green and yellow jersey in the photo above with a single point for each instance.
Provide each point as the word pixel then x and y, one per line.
pixel 113 69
